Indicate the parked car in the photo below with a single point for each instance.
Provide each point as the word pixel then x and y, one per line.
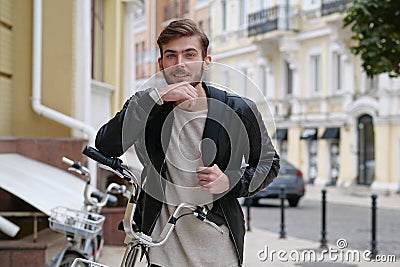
pixel 291 178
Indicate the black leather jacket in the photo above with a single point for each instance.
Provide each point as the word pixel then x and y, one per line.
pixel 237 132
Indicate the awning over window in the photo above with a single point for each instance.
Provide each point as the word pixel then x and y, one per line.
pixel 281 134
pixel 331 133
pixel 309 134
pixel 41 185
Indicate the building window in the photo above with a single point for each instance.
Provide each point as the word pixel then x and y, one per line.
pixel 282 146
pixel 140 50
pixel 244 81
pixel 289 79
pixel 337 71
pixel 97 40
pixel 137 59
pixel 372 84
pixel 334 162
pixel 143 52
pixel 201 25
pixel 224 15
pixel 313 161
pixel 261 4
pixel 142 59
pixel 226 80
pixel 204 25
pixel 263 71
pixel 242 13
pixel 315 74
pixel 139 11
pixel 185 7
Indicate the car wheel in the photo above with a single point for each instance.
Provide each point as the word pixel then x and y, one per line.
pixel 293 201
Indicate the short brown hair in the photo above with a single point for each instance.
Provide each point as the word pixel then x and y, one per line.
pixel 183 28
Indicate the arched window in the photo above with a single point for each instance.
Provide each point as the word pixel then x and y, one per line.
pixel 366 150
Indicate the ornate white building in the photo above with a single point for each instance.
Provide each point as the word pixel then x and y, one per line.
pixel 335 124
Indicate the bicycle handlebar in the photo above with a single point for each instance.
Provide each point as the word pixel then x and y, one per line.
pixel 197 211
pixel 76 166
pixel 68 161
pixel 89 201
pixel 114 163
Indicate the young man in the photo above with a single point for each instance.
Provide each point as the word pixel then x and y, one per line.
pixel 191 139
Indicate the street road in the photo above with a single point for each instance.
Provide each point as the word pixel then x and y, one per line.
pixel 352 223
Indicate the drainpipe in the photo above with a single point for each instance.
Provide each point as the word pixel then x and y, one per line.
pixel 37 88
pixel 8 227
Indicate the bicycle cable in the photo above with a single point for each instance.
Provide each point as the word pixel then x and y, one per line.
pixel 180 216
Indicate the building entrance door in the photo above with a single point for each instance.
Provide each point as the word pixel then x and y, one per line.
pixel 366 150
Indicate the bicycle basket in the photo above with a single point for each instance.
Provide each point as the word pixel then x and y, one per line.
pixel 77 222
pixel 79 262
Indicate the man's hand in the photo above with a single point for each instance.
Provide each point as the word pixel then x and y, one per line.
pixel 212 179
pixel 177 92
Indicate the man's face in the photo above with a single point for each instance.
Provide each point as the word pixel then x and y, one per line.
pixel 182 60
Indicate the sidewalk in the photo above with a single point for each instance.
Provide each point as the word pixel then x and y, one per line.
pixel 354 195
pixel 264 248
pixel 275 252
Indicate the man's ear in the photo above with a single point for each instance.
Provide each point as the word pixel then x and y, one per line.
pixel 207 63
pixel 160 65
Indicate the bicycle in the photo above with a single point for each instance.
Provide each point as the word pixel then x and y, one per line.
pixel 83 228
pixel 135 240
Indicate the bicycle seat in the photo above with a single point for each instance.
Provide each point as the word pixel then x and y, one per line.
pixel 111 202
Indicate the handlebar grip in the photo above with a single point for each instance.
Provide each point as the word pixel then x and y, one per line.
pixel 114 163
pixel 67 161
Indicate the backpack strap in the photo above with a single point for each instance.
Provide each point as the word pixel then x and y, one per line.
pixel 217 100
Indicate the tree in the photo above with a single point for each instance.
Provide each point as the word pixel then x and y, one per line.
pixel 376 30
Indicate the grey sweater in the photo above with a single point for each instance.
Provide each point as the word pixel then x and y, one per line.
pixel 193 242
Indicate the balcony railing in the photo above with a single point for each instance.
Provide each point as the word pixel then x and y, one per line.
pixel 333 6
pixel 271 19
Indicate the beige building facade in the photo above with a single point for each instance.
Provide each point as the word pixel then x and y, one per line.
pixel 62 65
pixel 335 124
